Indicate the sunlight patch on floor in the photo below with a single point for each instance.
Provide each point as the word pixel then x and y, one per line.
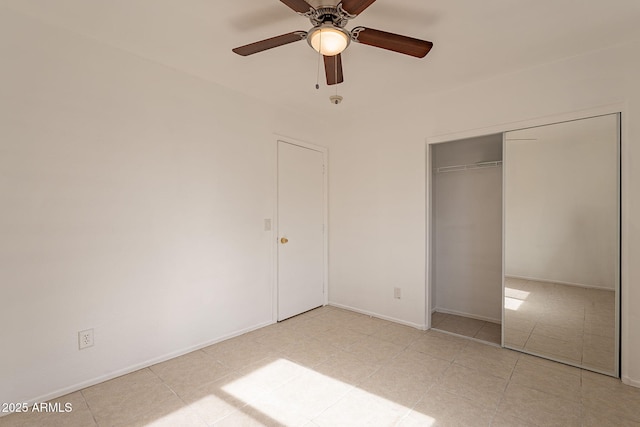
pixel 305 393
pixel 516 293
pixel 512 303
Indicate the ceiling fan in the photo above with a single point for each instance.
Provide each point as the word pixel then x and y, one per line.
pixel 329 37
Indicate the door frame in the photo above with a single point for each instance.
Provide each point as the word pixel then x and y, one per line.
pixel 275 233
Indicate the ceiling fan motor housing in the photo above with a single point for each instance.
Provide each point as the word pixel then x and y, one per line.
pixel 332 14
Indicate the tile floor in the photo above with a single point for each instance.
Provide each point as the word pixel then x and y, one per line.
pixel 567 323
pixel 331 367
pixel 479 329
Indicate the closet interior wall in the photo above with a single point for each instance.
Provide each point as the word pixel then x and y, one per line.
pixel 466 201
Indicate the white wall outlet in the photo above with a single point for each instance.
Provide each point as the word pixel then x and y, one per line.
pixel 397 293
pixel 85 339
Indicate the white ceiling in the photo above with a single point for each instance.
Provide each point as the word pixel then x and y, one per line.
pixel 473 40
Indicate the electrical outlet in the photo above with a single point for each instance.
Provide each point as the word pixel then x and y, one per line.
pixel 397 293
pixel 85 339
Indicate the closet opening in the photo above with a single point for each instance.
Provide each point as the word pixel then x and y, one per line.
pixel 466 237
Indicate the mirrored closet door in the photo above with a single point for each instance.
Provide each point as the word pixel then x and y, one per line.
pixel 561 242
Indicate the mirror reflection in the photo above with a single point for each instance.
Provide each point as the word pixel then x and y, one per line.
pixel 561 234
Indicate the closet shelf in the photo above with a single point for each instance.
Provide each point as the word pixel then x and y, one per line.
pixel 479 165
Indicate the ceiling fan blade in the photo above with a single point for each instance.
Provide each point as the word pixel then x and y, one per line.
pixel 256 47
pixel 391 41
pixel 333 69
pixel 356 7
pixel 299 6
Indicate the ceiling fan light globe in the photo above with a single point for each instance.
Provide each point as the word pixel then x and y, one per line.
pixel 329 41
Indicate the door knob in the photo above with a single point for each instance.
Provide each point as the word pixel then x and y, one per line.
pixel 284 240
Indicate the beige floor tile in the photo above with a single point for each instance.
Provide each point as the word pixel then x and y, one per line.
pixel 502 420
pixel 191 370
pixel 212 403
pixel 439 345
pixel 296 322
pixel 599 359
pixel 424 367
pixel 310 352
pixel 605 394
pixel 539 408
pixel 79 418
pixel 461 325
pixel 480 387
pixel 361 408
pixel 150 410
pixel 254 417
pixel 605 418
pixel 342 315
pixel 367 325
pixel 441 408
pixel 347 367
pixel 375 350
pixel 264 376
pixel 127 397
pixel 566 319
pixel 307 396
pixel 124 386
pixel 171 415
pixel 339 337
pixel 397 384
pixel 570 351
pixel 599 343
pixel 559 332
pixel 490 332
pixel 519 322
pixel 478 329
pixel 317 325
pixel 514 338
pixel 531 308
pixel 600 327
pixel 491 360
pixel 547 379
pixel 279 338
pixel 550 364
pixel 398 334
pixel 437 317
pixel 240 353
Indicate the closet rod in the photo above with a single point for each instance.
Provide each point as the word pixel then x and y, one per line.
pixel 479 165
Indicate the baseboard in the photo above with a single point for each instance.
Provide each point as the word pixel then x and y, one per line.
pixel 631 382
pixel 97 380
pixel 578 285
pixel 379 316
pixel 471 316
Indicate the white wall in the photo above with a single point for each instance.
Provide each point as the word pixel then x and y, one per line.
pixel 561 216
pixel 133 198
pixel 378 171
pixel 467 229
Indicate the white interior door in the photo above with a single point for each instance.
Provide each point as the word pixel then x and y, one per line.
pixel 300 229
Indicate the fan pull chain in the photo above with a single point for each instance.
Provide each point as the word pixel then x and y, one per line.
pixel 319 59
pixel 318 73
